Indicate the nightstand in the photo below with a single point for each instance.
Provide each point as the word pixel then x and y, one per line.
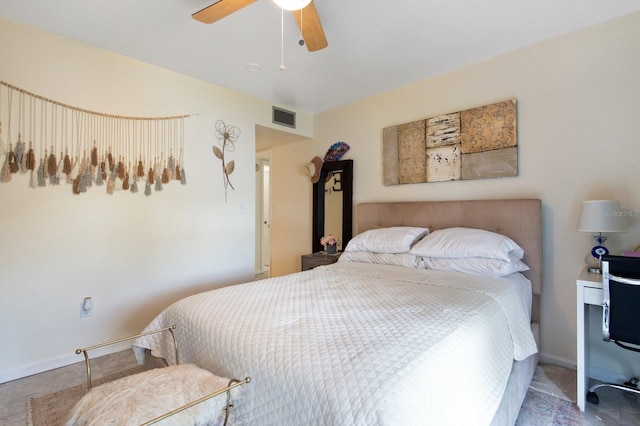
pixel 589 292
pixel 310 261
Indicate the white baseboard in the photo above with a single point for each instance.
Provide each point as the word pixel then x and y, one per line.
pixel 561 362
pixel 57 362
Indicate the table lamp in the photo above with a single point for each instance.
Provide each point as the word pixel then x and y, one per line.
pixel 598 216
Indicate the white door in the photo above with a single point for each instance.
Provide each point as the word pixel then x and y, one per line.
pixel 266 216
pixel 263 217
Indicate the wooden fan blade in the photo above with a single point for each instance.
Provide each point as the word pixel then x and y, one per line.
pixel 219 10
pixel 311 28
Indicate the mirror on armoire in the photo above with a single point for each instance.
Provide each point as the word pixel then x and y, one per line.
pixel 333 203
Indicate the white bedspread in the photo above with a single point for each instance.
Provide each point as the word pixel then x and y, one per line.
pixel 358 344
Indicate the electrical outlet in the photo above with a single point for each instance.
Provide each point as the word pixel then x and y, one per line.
pixel 86 307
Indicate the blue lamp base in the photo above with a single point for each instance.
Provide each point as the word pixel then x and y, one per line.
pixel 594 258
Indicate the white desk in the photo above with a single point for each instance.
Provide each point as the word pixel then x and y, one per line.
pixel 589 292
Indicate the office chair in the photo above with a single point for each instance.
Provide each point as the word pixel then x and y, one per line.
pixel 621 298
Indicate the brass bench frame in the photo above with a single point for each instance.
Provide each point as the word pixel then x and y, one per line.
pixel 232 383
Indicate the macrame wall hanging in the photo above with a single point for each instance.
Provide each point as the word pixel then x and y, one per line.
pixel 57 143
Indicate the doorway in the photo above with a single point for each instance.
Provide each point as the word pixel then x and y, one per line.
pixel 263 216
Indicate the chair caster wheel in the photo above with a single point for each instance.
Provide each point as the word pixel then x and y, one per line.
pixel 592 397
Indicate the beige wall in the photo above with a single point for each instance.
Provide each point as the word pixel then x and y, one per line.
pixel 578 105
pixel 578 98
pixel 132 254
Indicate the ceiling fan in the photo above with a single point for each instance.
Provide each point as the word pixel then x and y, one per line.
pixel 306 16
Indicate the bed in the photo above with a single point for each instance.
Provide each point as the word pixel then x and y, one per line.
pixel 385 342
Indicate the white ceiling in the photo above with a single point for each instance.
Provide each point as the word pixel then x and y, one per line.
pixel 374 45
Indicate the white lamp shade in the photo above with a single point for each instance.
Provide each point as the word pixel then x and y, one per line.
pixel 292 4
pixel 601 216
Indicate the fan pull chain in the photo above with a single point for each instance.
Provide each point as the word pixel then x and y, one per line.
pixel 301 42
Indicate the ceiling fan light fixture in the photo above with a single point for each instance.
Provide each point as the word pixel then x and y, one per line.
pixel 292 4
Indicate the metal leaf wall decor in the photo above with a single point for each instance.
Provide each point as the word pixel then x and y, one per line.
pixel 227 137
pixel 83 148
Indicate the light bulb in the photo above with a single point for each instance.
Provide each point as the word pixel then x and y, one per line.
pixel 292 4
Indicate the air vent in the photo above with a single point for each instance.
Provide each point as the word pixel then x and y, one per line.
pixel 284 117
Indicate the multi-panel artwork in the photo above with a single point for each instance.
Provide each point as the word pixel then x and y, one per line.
pixel 478 143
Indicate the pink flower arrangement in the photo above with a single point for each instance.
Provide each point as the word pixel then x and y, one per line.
pixel 330 240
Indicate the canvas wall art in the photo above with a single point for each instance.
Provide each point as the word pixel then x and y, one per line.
pixel 477 143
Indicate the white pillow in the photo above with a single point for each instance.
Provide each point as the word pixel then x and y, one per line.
pixel 467 242
pixel 476 265
pixel 397 259
pixel 398 239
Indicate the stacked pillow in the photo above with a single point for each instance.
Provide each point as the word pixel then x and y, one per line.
pixel 387 246
pixel 468 250
pixel 398 239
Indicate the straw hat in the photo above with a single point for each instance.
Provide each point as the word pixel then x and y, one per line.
pixel 314 168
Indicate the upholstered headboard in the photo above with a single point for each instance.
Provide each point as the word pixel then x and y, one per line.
pixel 521 220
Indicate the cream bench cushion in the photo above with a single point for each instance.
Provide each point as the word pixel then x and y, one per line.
pixel 136 399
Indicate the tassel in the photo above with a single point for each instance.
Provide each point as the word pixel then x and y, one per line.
pixel 5 175
pixel 150 178
pixel 110 160
pixel 76 185
pixel 41 173
pixel 134 187
pixel 46 161
pixel 111 184
pixel 94 155
pixel 31 160
pixel 121 170
pixel 52 165
pixel 172 165
pixel 60 166
pixel 56 176
pixel 66 168
pixel 74 172
pixel 19 153
pixel 33 180
pixel 88 181
pixel 183 178
pixel 147 189
pixel 140 169
pixel 178 173
pixel 99 176
pixel 82 186
pixel 158 185
pixel 165 175
pixel 125 182
pixel 13 166
pixel 84 165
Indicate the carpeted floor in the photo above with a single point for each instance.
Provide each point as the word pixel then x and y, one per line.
pixel 555 381
pixel 551 398
pixel 540 408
